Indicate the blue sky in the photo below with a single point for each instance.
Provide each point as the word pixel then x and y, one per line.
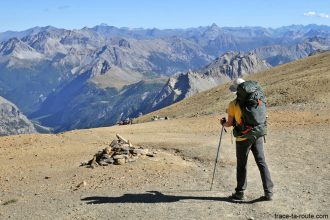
pixel 23 14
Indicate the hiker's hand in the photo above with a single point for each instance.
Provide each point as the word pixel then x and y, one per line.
pixel 223 121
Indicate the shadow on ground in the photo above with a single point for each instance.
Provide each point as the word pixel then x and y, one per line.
pixel 158 197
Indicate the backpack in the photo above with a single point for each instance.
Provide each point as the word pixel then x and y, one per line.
pixel 252 102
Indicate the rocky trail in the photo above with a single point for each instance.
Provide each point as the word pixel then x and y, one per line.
pixel 41 176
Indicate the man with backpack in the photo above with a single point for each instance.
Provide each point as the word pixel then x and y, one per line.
pixel 247 114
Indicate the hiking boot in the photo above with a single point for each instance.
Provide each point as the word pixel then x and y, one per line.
pixel 237 196
pixel 268 197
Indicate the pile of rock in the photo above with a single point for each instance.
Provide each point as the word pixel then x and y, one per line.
pixel 119 152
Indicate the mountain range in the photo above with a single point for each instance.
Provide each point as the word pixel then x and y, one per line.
pixel 68 79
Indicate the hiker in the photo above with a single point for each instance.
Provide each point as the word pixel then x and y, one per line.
pixel 249 129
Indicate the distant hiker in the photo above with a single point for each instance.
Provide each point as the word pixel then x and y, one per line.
pixel 247 114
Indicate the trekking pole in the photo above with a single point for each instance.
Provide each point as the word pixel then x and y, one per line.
pixel 266 125
pixel 216 159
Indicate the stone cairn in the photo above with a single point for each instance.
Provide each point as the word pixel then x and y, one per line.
pixel 119 152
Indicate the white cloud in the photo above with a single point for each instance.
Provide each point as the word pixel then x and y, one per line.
pixel 310 13
pixel 313 14
pixel 323 15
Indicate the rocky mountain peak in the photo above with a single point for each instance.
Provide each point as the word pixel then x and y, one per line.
pixel 47 42
pixel 12 121
pixel 8 47
pixel 101 67
pixel 124 43
pixel 214 26
pixel 213 31
pixel 236 64
pixel 227 67
pixel 15 48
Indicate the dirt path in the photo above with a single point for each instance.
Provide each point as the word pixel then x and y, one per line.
pixel 40 173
